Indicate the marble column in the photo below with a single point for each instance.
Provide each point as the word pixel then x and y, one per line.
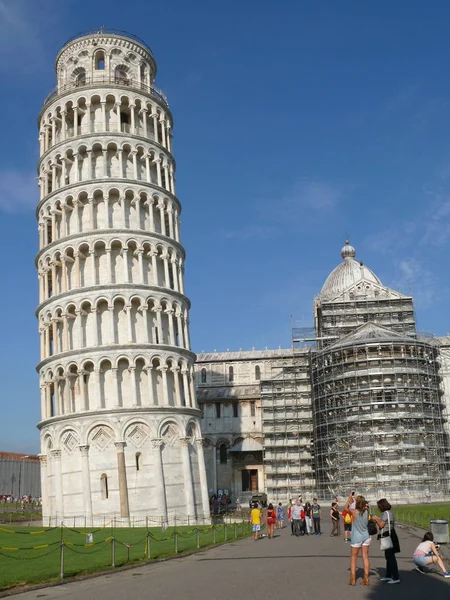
pixel 203 478
pixel 86 483
pixel 122 473
pixel 57 470
pixel 44 484
pixel 187 476
pixel 160 488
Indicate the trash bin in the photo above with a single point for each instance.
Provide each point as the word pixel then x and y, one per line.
pixel 439 529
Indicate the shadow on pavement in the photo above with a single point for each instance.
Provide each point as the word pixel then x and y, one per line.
pixel 412 585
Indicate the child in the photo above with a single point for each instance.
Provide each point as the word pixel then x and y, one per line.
pixel 347 525
pixel 426 553
pixel 255 520
pixel 280 516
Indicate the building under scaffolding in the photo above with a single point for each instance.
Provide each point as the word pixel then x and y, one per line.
pixel 378 417
pixel 288 429
pixel 361 405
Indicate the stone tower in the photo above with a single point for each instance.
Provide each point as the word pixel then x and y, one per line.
pixel 120 432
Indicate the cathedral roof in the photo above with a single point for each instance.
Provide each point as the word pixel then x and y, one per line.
pixel 348 273
pixel 372 332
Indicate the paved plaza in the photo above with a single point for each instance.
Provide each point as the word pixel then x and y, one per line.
pixel 287 567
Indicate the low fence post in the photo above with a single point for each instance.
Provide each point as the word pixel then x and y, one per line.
pixel 113 552
pixel 198 538
pixel 214 534
pixel 235 532
pixel 176 542
pixel 61 562
pixel 148 545
pixel 225 531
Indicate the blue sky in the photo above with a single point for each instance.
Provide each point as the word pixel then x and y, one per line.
pixel 297 123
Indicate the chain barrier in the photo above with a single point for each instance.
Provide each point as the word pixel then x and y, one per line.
pixel 227 531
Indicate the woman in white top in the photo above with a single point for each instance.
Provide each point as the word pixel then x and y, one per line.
pixel 426 553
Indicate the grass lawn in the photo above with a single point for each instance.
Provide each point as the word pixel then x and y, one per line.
pixel 420 514
pixel 39 556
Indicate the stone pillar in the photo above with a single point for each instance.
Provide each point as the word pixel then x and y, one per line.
pixel 151 215
pixel 157 161
pixel 186 387
pixel 154 255
pixel 119 124
pixel 160 488
pixel 214 463
pixel 171 327
pixel 176 378
pixel 56 458
pixel 187 476
pixel 173 262
pixel 155 126
pixel 165 386
pixel 192 387
pixel 122 473
pixel 44 483
pixel 86 483
pixel 180 330
pixel 151 398
pixel 203 478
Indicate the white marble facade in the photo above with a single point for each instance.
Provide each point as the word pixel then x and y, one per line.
pixel 120 428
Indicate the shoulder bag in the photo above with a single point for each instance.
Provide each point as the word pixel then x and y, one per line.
pixel 386 540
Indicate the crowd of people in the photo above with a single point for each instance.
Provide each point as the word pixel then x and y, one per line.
pixel 360 525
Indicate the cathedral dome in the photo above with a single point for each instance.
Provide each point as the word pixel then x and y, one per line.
pixel 348 273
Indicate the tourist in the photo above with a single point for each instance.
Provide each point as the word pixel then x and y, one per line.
pixel 335 517
pixel 386 523
pixel 271 520
pixel 308 518
pixel 296 515
pixel 280 516
pixel 289 516
pixel 347 525
pixel 255 520
pixel 360 539
pixel 316 515
pixel 427 553
pixel 238 504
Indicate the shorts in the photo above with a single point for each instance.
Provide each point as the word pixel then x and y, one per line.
pixel 256 528
pixel 422 561
pixel 347 526
pixel 271 521
pixel 361 544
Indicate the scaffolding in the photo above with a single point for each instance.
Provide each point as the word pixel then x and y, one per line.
pixel 288 429
pixel 335 318
pixel 378 417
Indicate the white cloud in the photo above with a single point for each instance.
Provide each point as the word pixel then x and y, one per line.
pixel 18 191
pixel 311 195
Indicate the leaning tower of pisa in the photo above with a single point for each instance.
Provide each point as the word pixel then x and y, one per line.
pixel 120 430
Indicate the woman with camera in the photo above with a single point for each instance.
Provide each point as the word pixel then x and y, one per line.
pixel 360 539
pixel 427 553
pixel 389 540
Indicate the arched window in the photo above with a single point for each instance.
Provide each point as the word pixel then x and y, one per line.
pixel 258 373
pixel 230 374
pixel 121 74
pixel 203 375
pixel 223 454
pixel 79 76
pixel 100 61
pixel 104 486
pixel 138 461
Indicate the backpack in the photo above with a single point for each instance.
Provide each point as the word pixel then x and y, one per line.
pixel 347 518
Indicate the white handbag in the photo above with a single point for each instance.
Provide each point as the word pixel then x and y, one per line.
pixel 386 541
